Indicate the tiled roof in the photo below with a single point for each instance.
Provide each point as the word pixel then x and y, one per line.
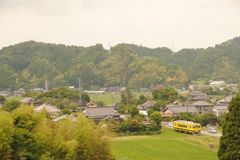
pixel 198 93
pixel 27 100
pixel 100 112
pixel 201 103
pixel 148 104
pixel 190 109
pixel 49 108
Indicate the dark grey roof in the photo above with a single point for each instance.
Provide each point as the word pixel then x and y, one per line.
pixel 201 103
pixel 100 112
pixel 201 97
pixel 174 105
pixel 198 93
pixel 49 108
pixel 190 109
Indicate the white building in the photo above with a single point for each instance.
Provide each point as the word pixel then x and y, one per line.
pixel 218 84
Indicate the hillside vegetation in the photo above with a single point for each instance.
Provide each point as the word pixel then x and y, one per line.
pixel 30 63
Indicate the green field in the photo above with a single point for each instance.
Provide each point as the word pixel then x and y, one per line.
pixel 169 145
pixel 111 98
pixel 17 98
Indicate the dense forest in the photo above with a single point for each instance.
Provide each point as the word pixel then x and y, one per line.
pixel 30 63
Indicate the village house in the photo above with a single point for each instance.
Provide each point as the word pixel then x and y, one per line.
pixel 113 89
pixel 20 91
pixel 37 90
pixel 193 87
pixel 62 117
pixel 198 96
pixel 53 111
pixel 27 100
pixel 218 84
pixel 98 114
pixel 94 92
pixel 220 110
pixel 221 107
pixel 225 101
pixel 203 107
pixel 144 113
pixel 175 110
pixel 146 105
pixel 91 105
pixel 5 93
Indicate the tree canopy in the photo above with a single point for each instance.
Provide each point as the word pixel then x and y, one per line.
pixel 30 63
pixel 25 134
pixel 229 142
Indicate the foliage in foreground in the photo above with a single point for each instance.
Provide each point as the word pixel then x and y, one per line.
pixel 32 136
pixel 230 141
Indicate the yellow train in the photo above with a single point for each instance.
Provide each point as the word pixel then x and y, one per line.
pixel 187 126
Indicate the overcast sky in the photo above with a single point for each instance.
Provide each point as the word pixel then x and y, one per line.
pixel 154 23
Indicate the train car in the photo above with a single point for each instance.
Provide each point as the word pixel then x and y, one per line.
pixel 187 126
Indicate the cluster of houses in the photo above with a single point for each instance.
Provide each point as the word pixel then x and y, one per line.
pixel 219 85
pixel 90 110
pixel 197 104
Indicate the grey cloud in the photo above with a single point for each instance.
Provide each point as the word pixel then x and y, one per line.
pixel 154 23
pixel 41 6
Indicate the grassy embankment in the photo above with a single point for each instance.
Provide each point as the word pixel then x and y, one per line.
pixel 169 145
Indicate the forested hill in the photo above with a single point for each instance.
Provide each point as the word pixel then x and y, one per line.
pixel 30 63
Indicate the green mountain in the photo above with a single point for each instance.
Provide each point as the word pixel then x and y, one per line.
pixel 30 63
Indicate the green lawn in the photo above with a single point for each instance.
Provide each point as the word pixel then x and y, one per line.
pixel 169 145
pixel 18 98
pixel 106 98
pixel 111 98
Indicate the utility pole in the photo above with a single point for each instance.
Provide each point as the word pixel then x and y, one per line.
pixel 46 85
pixel 79 84
pixel 116 93
pixel 112 94
pixel 80 90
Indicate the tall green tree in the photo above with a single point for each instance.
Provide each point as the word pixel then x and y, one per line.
pixel 229 143
pixel 142 99
pixel 6 133
pixel 156 117
pixel 127 98
pixel 10 105
pixel 168 95
pixel 24 143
